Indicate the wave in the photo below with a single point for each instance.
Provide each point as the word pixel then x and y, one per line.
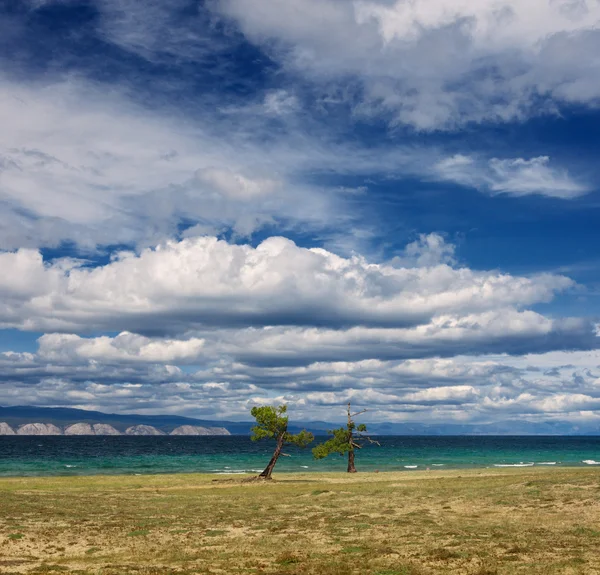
pixel 69 466
pixel 546 463
pixel 438 464
pixel 411 466
pixel 514 464
pixel 590 462
pixel 229 471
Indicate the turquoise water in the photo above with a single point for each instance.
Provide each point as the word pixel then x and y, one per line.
pixel 32 456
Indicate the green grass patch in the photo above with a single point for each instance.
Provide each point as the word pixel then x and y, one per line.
pixel 288 558
pixel 354 549
pixel 214 532
pixel 586 531
pixel 486 522
pixel 138 533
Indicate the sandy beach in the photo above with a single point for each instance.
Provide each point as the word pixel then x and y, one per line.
pixel 478 522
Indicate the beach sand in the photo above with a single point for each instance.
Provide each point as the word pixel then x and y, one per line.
pixel 476 522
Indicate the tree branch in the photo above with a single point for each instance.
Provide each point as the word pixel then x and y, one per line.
pixel 372 440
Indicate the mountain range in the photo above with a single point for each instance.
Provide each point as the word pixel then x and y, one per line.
pixel 71 421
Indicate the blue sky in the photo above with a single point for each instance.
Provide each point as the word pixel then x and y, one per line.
pixel 207 206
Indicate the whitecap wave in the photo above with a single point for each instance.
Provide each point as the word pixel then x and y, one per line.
pixel 411 466
pixel 304 466
pixel 69 466
pixel 514 464
pixel 438 464
pixel 590 462
pixel 546 463
pixel 229 471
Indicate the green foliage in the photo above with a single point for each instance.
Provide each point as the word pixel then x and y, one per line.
pixel 271 423
pixel 344 440
pixel 302 439
pixel 339 443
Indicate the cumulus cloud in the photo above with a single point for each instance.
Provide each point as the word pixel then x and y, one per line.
pixel 516 176
pixel 435 64
pixel 500 331
pixel 214 327
pixel 93 155
pixel 458 389
pixel 429 250
pixel 199 282
pixel 122 348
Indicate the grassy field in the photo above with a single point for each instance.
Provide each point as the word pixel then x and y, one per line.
pixel 530 521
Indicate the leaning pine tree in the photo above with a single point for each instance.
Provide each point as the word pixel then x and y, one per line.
pixel 345 440
pixel 272 423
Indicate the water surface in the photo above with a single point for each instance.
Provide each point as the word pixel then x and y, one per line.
pixel 73 455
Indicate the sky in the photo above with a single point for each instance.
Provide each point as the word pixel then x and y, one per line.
pixel 211 205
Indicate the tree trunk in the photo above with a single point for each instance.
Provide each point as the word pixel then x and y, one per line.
pixel 266 474
pixel 351 468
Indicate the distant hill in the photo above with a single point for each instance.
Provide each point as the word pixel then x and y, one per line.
pixel 63 417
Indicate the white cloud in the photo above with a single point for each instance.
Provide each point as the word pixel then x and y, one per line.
pixel 111 374
pixel 524 24
pixel 404 339
pixel 497 331
pixel 567 402
pixel 456 394
pixel 234 185
pixel 122 348
pixel 82 164
pixel 211 328
pixel 522 177
pixel 429 250
pixel 85 165
pixel 436 64
pixel 280 102
pixel 152 30
pixel 203 281
pixel 516 176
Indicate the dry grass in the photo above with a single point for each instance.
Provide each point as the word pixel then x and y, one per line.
pixel 475 523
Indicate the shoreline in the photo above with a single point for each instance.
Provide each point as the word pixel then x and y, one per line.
pixel 407 470
pixel 291 477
